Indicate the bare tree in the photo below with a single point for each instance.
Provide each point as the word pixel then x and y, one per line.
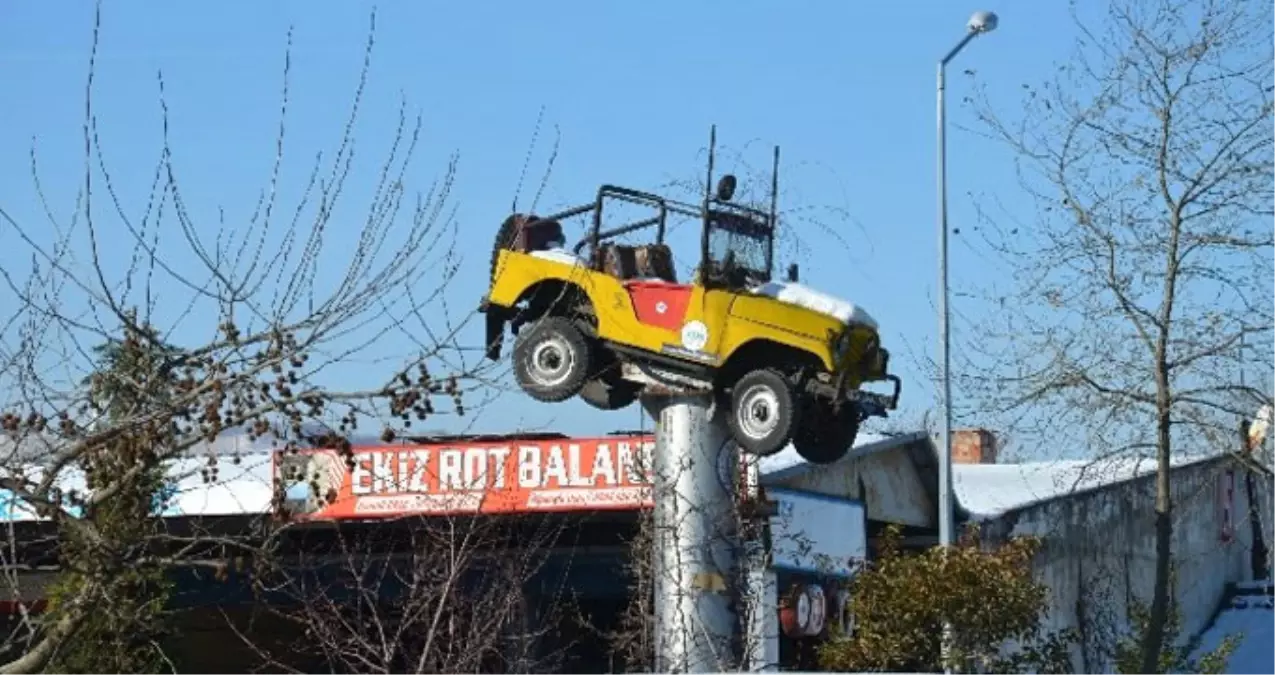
pixel 240 320
pixel 633 640
pixel 1133 311
pixel 420 595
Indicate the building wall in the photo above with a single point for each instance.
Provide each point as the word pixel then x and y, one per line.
pixel 1098 552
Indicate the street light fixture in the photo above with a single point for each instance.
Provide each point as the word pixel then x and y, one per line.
pixel 982 22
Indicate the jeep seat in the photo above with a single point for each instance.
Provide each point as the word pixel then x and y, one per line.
pixel 617 260
pixel 655 261
pixel 652 261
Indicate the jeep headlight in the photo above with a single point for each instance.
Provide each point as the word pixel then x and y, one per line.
pixel 840 348
pixel 871 353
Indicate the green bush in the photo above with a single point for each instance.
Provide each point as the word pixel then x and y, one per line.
pixel 106 564
pixel 988 596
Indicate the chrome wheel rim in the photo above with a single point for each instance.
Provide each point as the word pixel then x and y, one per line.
pixel 551 361
pixel 758 412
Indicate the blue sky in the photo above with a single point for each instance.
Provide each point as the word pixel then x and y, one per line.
pixel 846 89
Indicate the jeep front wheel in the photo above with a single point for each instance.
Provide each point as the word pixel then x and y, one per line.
pixel 826 436
pixel 551 359
pixel 762 415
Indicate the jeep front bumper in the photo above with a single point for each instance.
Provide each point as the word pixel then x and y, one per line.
pixel 874 404
pixel 871 403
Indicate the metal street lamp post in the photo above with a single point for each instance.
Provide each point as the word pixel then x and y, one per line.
pixel 981 22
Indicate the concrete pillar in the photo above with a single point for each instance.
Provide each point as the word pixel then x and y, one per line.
pixel 694 474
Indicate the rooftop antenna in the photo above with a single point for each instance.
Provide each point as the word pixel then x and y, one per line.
pixel 774 211
pixel 708 196
pixel 712 150
pixel 774 188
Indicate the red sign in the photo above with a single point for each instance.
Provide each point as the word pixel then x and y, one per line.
pixel 499 477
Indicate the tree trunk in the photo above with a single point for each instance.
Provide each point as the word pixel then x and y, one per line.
pixel 1154 638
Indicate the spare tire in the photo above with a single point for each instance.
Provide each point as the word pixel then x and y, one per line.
pixel 506 236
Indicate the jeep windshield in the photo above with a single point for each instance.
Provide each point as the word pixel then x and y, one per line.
pixel 740 246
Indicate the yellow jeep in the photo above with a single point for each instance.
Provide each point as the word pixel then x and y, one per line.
pixel 786 361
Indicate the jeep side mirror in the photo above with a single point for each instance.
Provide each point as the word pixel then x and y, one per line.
pixel 793 273
pixel 726 188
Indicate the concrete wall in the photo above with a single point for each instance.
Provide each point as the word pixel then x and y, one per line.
pixel 1098 552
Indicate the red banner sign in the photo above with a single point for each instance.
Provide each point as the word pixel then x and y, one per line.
pixel 502 477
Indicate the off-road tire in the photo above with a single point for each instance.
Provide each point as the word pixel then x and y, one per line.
pixel 604 394
pixel 762 413
pixel 606 389
pixel 825 437
pixel 551 359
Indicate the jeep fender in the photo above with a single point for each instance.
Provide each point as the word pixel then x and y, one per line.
pixel 761 352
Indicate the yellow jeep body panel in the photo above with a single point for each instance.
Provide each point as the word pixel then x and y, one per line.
pixel 732 319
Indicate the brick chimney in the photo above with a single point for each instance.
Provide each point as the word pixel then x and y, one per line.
pixel 973 446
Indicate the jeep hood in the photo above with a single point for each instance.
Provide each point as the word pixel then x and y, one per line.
pixel 816 301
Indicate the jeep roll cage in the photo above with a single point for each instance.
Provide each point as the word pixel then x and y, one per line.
pixel 717 214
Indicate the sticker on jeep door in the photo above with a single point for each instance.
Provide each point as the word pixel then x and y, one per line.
pixel 694 335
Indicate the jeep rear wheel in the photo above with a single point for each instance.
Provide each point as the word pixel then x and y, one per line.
pixel 551 359
pixel 826 436
pixel 607 389
pixel 605 394
pixel 762 415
